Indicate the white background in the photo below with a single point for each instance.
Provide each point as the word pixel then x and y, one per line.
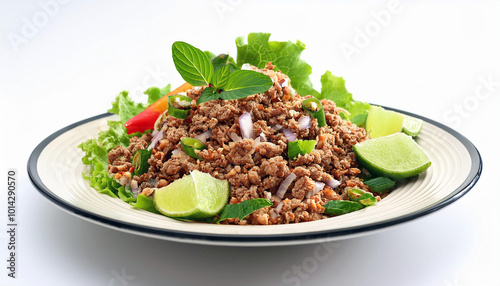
pixel 61 62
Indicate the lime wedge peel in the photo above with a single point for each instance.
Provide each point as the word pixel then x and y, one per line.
pixel 412 126
pixel 195 196
pixel 396 156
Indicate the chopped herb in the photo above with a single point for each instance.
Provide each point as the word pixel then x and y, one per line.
pixel 300 147
pixel 380 184
pixel 223 60
pixel 243 209
pixel 341 207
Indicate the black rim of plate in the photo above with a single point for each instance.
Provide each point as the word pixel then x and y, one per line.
pixel 466 186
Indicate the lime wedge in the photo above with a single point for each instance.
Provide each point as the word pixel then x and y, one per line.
pixel 381 122
pixel 396 156
pixel 412 126
pixel 196 196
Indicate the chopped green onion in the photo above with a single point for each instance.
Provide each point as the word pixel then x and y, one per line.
pixel 314 107
pixel 300 147
pixel 190 145
pixel 362 197
pixel 179 106
pixel 140 161
pixel 380 184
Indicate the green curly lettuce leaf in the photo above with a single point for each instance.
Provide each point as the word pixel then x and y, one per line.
pixel 96 149
pixel 126 108
pixel 257 50
pixel 285 56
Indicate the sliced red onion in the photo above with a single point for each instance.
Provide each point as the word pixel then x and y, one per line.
pixel 201 137
pixel 262 137
pixel 180 154
pixel 289 135
pixel 183 156
pixel 273 214
pixel 246 125
pixel 176 153
pixel 256 142
pixel 155 139
pixel 235 137
pixel 318 186
pixel 285 184
pixel 284 83
pixel 278 207
pixel 332 183
pixel 304 122
pixel 135 188
pixel 208 134
pixel 277 127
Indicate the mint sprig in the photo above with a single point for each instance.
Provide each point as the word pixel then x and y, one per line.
pixel 196 68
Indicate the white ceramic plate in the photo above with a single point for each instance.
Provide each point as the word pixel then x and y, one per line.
pixel 55 168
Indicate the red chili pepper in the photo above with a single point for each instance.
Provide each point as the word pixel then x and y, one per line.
pixel 147 118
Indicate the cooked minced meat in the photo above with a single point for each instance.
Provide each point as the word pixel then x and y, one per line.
pixel 254 169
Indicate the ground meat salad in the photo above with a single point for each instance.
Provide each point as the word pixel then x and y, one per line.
pixel 255 168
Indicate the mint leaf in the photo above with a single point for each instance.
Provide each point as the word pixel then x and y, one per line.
pixel 243 209
pixel 380 184
pixel 285 56
pixel 221 76
pixel 219 60
pixel 341 207
pixel 242 83
pixel 209 54
pixel 193 65
pixel 222 60
pixel 208 94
